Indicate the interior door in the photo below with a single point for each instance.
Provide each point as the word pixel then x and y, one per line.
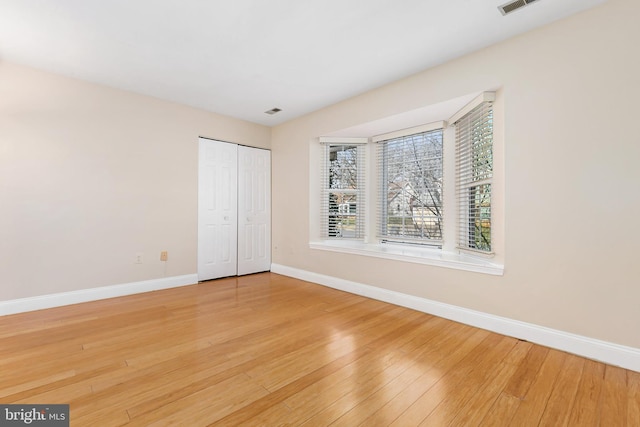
pixel 254 210
pixel 217 209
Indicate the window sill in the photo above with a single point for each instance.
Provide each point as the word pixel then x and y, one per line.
pixel 427 256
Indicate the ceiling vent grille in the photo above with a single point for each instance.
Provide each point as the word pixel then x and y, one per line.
pixel 273 111
pixel 512 6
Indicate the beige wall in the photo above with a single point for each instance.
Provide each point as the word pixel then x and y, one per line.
pixel 572 202
pixel 90 176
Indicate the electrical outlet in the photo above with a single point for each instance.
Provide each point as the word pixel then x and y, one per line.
pixel 164 255
pixel 139 258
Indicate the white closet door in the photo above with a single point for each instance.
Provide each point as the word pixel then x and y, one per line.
pixel 254 210
pixel 217 209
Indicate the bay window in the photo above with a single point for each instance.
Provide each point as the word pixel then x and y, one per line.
pixel 422 194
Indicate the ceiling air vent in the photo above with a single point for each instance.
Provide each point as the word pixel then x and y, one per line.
pixel 513 6
pixel 273 111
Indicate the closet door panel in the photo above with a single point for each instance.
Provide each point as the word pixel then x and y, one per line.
pixel 254 210
pixel 217 209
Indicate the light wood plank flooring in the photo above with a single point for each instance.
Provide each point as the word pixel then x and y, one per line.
pixel 270 350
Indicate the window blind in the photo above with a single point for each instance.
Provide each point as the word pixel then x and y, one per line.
pixel 342 196
pixel 410 195
pixel 474 172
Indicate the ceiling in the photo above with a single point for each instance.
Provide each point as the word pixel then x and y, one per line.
pixel 243 57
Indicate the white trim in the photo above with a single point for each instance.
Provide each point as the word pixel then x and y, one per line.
pixel 411 253
pixel 410 131
pixel 483 97
pixel 93 294
pixel 603 351
pixel 339 140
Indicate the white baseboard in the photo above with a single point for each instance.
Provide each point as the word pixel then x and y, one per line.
pixel 74 297
pixel 610 353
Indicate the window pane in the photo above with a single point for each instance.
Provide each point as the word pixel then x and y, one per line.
pixel 482 146
pixel 412 187
pixel 343 215
pixel 479 236
pixel 343 172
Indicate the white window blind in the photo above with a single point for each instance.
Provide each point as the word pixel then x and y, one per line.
pixel 474 173
pixel 343 197
pixel 410 195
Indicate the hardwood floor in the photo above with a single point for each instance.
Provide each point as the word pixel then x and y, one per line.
pixel 270 350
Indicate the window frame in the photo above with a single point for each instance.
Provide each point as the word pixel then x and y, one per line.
pixel 449 256
pixel 359 192
pixel 470 147
pixel 382 169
